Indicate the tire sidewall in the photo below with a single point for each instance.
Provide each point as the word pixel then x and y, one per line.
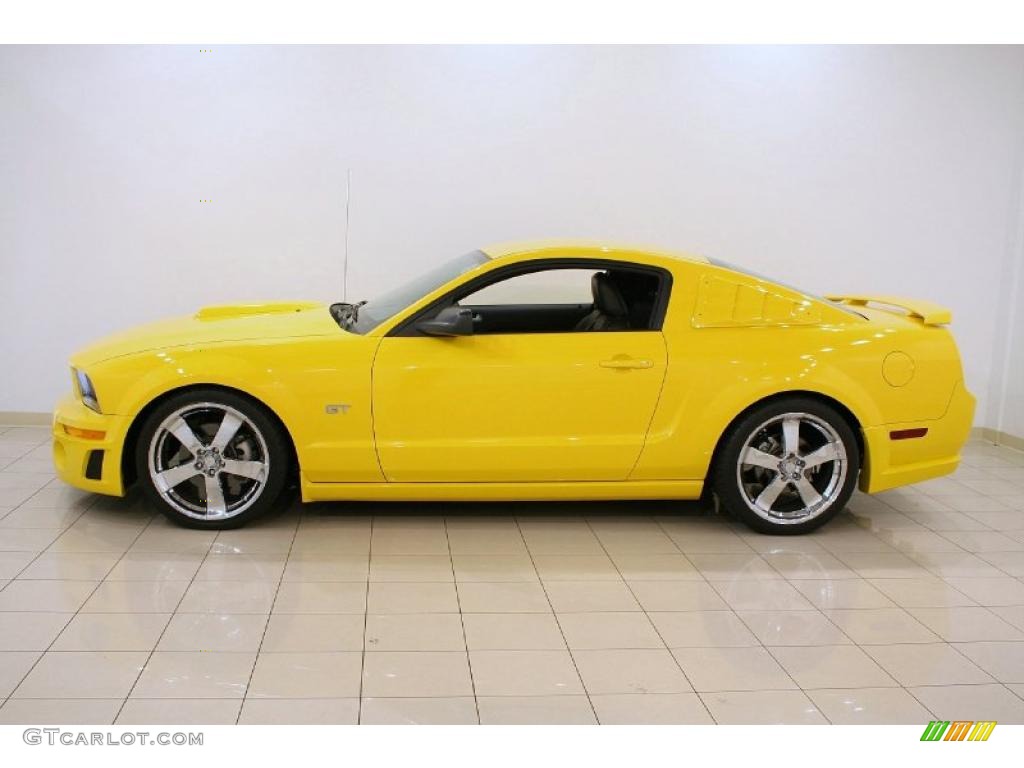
pixel 276 448
pixel 725 484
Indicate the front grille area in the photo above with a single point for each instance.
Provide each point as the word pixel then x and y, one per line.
pixel 94 466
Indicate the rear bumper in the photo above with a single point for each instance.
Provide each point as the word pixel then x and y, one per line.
pixel 891 463
pixel 76 459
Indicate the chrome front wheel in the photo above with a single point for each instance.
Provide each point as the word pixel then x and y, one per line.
pixel 208 461
pixel 211 462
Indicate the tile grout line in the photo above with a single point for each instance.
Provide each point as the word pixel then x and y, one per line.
pixel 99 583
pixel 861 648
pixel 9 462
pixel 270 613
pixel 853 644
pixel 39 554
pixel 937 574
pixel 174 612
pixel 554 615
pixel 711 586
pixel 643 609
pixel 8 582
pixel 815 609
pixel 366 621
pixel 916 698
pixel 838 556
pixel 462 621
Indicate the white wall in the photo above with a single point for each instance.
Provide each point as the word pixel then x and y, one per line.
pixel 1006 404
pixel 891 170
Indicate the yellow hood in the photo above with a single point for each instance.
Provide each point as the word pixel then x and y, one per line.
pixel 223 323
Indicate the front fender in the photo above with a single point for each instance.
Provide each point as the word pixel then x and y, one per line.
pixel 130 384
pixel 296 379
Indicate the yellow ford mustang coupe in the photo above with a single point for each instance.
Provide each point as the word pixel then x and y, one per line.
pixel 533 371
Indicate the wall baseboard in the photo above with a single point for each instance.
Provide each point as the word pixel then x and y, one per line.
pixel 998 437
pixel 25 419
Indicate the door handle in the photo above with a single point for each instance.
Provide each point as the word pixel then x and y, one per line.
pixel 626 363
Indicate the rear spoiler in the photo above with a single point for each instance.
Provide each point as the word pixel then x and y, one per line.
pixel 925 311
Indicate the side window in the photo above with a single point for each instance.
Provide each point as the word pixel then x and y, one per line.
pixel 568 300
pixel 550 286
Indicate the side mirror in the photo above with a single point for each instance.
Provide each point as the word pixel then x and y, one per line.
pixel 450 321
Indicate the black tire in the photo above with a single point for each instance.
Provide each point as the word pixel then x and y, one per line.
pixel 738 487
pixel 258 440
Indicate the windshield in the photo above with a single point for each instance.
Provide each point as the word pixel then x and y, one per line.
pixel 377 310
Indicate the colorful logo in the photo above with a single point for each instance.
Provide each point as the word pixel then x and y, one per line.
pixel 958 730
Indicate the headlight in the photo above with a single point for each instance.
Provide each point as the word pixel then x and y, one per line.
pixel 85 390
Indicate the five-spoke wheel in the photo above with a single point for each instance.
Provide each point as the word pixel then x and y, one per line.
pixel 212 459
pixel 787 466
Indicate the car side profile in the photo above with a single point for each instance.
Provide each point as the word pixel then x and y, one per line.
pixel 545 371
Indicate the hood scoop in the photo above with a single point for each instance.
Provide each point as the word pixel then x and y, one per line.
pixel 229 311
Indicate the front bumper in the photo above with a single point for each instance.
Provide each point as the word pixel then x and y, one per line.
pixel 76 459
pixel 891 463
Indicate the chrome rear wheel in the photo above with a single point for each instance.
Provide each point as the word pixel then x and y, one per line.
pixel 787 466
pixel 792 468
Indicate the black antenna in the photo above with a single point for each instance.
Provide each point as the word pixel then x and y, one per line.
pixel 344 262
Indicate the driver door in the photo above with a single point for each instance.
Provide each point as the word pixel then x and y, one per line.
pixel 526 398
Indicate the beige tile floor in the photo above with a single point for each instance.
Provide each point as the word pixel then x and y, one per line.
pixel 908 607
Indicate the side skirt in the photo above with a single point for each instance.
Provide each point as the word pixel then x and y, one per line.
pixel 551 491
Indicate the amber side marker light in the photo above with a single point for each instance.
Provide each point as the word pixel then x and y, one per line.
pixel 84 434
pixel 908 434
